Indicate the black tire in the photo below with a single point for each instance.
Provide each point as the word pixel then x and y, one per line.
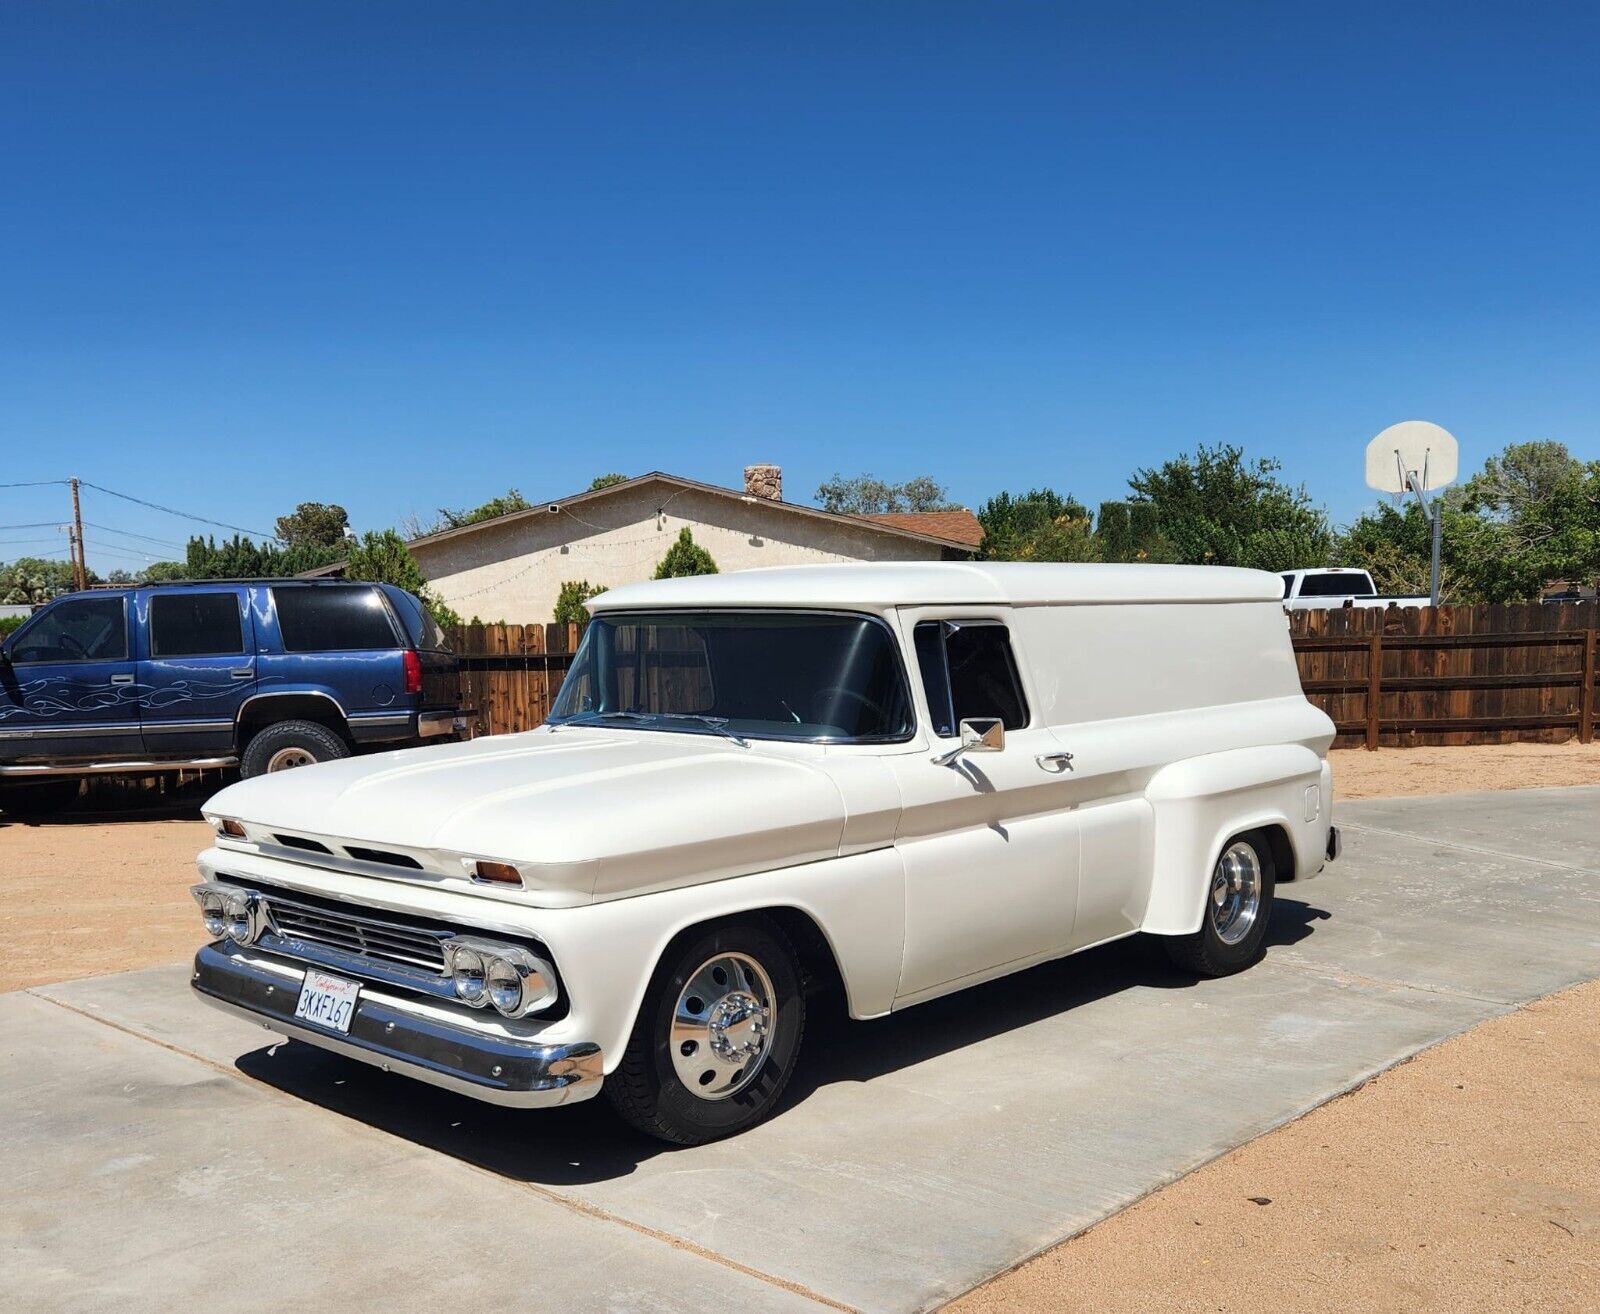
pixel 1211 951
pixel 36 800
pixel 281 739
pixel 647 1089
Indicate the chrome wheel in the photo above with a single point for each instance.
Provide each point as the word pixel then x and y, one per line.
pixel 721 1026
pixel 1235 892
pixel 286 759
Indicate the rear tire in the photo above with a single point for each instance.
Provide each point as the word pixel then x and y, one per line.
pixel 288 744
pixel 36 800
pixel 1233 928
pixel 716 1037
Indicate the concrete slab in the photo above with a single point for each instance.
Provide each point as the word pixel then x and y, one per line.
pixel 925 1152
pixel 139 1179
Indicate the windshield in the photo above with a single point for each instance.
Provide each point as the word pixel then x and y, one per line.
pixel 761 675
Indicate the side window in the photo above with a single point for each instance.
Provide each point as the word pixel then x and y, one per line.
pixel 968 671
pixel 195 625
pixel 1288 585
pixel 78 630
pixel 318 618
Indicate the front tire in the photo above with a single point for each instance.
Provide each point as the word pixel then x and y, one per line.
pixel 717 1036
pixel 285 745
pixel 1233 928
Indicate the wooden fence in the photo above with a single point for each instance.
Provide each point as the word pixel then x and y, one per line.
pixel 1446 675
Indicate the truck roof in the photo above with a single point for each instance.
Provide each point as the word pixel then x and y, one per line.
pixel 946 583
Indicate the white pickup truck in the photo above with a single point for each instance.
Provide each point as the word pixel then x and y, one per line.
pixel 1339 586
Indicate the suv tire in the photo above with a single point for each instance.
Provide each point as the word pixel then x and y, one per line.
pixel 287 744
pixel 716 1037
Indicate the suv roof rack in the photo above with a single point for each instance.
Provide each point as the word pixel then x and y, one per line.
pixel 243 579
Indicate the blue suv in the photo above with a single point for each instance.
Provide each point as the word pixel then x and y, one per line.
pixel 262 674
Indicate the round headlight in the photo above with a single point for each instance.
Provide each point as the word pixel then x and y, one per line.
pixel 505 987
pixel 468 969
pixel 211 915
pixel 237 919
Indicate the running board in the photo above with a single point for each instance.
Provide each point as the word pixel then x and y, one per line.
pixel 121 768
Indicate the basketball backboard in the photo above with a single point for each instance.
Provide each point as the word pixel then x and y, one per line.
pixel 1411 448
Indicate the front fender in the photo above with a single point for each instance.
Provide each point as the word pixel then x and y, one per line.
pixel 1202 801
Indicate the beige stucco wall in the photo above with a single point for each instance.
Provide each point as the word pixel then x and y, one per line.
pixel 513 572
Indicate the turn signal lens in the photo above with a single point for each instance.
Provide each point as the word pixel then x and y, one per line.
pixel 231 828
pixel 498 873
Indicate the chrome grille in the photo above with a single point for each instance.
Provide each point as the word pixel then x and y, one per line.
pixel 361 937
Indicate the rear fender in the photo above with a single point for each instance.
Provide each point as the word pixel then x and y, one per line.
pixel 1202 802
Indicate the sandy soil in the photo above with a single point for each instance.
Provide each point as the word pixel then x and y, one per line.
pixel 1465 1180
pixel 1392 772
pixel 85 897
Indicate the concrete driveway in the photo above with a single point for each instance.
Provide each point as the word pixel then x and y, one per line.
pixel 158 1154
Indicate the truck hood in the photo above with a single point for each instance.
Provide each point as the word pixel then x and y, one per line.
pixel 585 814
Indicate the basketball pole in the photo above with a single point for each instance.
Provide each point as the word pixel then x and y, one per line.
pixel 1433 513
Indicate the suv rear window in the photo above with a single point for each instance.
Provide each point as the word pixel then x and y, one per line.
pixel 337 619
pixel 1336 584
pixel 195 625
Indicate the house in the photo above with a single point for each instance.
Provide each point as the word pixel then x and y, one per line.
pixel 511 568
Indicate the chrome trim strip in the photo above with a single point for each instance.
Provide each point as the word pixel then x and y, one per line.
pixel 178 727
pixel 83 728
pixel 112 768
pixel 290 693
pixel 380 718
pixel 465 1058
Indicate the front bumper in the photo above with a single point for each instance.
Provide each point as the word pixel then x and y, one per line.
pixel 394 1034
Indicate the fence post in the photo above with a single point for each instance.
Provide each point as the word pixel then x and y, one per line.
pixel 1374 687
pixel 1586 694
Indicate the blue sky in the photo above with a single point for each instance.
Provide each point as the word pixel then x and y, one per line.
pixel 401 256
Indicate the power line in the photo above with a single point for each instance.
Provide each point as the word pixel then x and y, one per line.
pixel 128 533
pixel 36 483
pixel 37 524
pixel 182 515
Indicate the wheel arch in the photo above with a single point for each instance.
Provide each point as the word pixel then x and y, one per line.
pixel 260 710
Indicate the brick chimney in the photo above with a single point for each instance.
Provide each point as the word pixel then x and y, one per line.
pixel 764 481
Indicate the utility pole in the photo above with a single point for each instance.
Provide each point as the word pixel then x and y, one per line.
pixel 80 568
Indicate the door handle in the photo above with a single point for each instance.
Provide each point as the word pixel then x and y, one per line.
pixel 243 673
pixel 122 679
pixel 1057 762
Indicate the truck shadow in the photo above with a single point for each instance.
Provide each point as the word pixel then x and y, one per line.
pixel 587 1143
pixel 106 799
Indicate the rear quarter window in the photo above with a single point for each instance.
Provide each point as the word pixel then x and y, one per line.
pixel 351 618
pixel 419 626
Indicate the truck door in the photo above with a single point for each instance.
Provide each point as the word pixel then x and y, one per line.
pixel 67 688
pixel 197 667
pixel 989 843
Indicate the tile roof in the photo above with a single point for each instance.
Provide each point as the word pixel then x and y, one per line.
pixel 959 526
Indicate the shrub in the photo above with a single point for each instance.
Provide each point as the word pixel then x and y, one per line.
pixel 685 557
pixel 569 602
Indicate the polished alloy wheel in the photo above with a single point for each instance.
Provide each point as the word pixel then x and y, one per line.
pixel 721 1026
pixel 1235 892
pixel 285 759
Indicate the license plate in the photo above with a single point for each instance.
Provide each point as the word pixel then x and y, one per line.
pixel 328 1001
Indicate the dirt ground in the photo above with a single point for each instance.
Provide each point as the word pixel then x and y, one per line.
pixel 1393 772
pixel 1464 1180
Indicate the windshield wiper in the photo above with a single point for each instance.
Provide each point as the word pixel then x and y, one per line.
pixel 590 718
pixel 717 723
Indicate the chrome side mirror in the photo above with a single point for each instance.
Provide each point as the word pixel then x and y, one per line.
pixel 982 734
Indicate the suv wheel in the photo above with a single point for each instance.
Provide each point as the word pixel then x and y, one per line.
pixel 289 744
pixel 716 1038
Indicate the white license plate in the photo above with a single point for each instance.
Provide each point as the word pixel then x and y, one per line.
pixel 328 1001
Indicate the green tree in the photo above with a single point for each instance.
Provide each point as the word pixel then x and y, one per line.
pixel 1217 508
pixel 1013 523
pixel 865 495
pixel 495 507
pixel 685 557
pixel 569 602
pixel 314 524
pixel 382 557
pixel 28 581
pixel 605 481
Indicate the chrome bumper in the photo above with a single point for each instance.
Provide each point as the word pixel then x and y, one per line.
pixel 390 1034
pixel 432 724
